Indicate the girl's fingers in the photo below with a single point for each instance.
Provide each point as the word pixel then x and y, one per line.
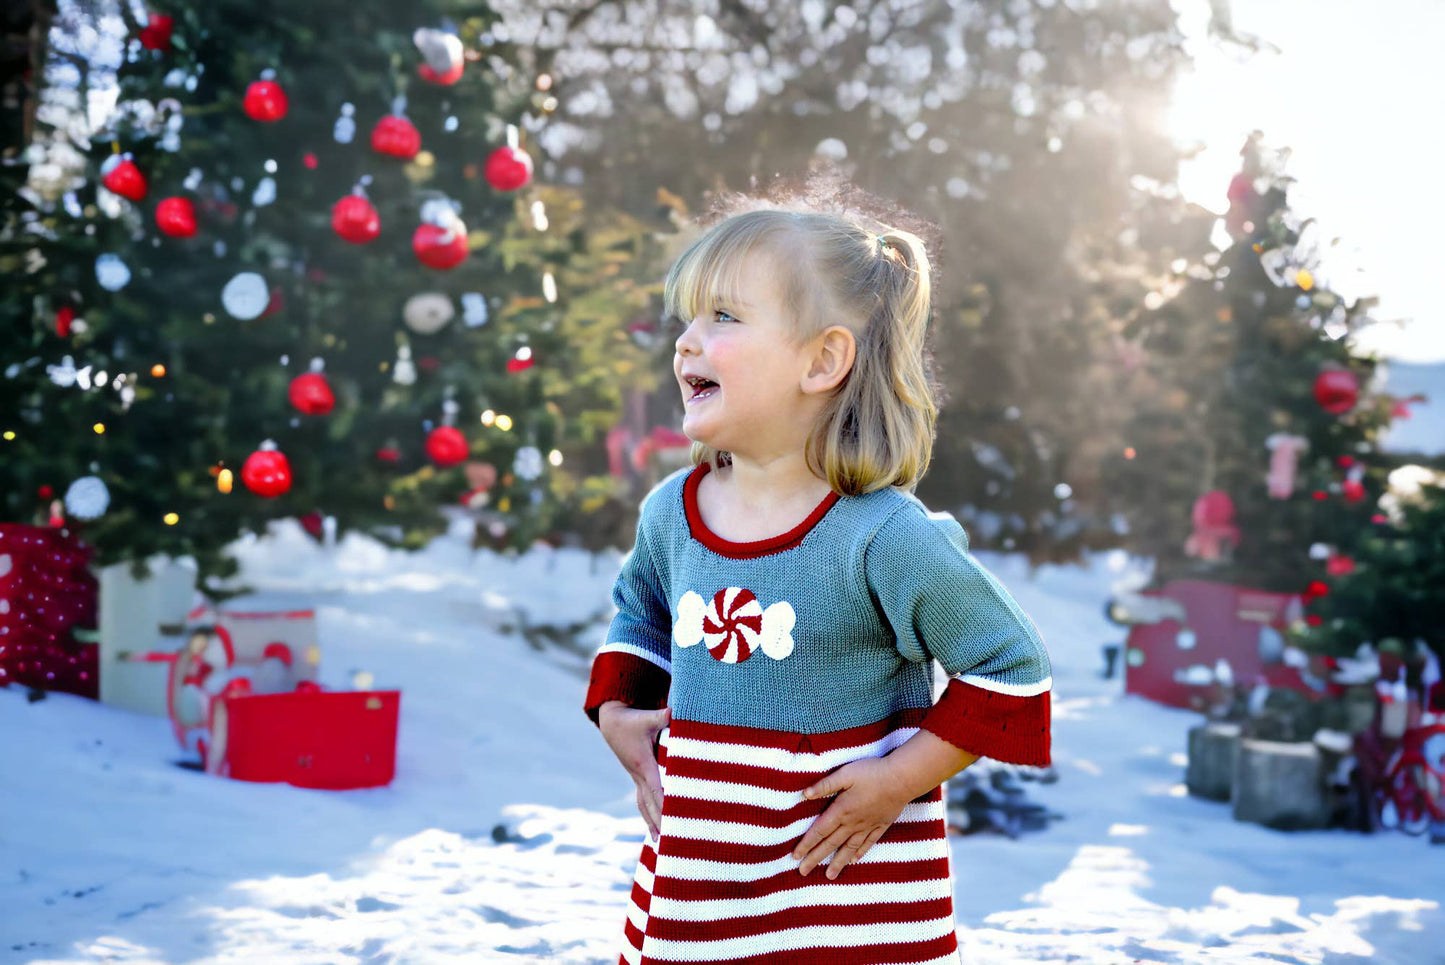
pixel 829 845
pixel 870 842
pixel 847 854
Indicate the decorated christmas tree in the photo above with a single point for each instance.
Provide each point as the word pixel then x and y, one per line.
pixel 302 270
pixel 1251 457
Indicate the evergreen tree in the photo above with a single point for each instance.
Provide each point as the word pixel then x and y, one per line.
pixel 261 123
pixel 1254 433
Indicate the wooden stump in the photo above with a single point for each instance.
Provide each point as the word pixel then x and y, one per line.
pixel 1213 748
pixel 1280 785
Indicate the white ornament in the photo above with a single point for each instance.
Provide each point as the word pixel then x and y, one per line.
pixel 441 212
pixel 474 309
pixel 345 128
pixel 428 313
pixel 63 374
pixel 528 463
pixel 111 272
pixel 441 50
pixel 246 296
pixel 265 192
pixel 405 371
pixel 549 287
pixel 87 498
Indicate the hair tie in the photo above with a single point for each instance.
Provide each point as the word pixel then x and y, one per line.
pixel 882 242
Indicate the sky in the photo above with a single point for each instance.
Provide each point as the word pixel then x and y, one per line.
pixel 1357 91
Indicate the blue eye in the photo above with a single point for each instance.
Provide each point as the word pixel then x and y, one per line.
pixel 725 314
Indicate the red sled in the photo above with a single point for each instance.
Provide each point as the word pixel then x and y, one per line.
pixel 330 740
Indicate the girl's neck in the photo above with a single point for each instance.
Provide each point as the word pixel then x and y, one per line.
pixel 765 487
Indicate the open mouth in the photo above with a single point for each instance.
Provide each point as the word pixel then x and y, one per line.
pixel 702 388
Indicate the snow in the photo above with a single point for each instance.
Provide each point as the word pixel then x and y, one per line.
pixel 510 832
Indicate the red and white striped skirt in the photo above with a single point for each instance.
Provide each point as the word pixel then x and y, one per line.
pixel 721 885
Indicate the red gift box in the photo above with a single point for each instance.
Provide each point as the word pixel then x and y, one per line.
pixel 332 740
pixel 47 602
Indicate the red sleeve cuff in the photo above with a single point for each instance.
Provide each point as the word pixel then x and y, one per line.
pixel 1001 727
pixel 626 677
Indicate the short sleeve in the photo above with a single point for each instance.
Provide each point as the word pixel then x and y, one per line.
pixel 941 604
pixel 634 663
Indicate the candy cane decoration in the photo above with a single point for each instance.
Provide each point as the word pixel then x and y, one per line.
pixel 734 625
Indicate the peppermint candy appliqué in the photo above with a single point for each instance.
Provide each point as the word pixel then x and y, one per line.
pixel 734 625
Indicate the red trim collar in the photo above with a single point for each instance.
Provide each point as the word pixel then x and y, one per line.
pixel 743 551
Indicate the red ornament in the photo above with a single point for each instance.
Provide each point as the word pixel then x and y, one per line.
pixel 355 219
pixel 156 35
pixel 1320 495
pixel 508 168
pixel 1314 619
pixel 64 315
pixel 388 454
pixel 1339 564
pixel 312 523
pixel 308 687
pixel 311 394
pixel 451 76
pixel 1337 390
pixel 176 217
pixel 520 365
pixel 1353 490
pixel 276 303
pixel 309 160
pixel 396 136
pixel 126 180
pixel 438 247
pixel 446 446
pixel 1345 462
pixel 1315 590
pixel 45 492
pixel 265 101
pixel 1379 519
pixel 1214 530
pixel 267 473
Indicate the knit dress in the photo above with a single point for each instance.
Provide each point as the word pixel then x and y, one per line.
pixel 783 660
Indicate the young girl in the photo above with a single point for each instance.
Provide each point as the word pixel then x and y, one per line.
pixel 782 610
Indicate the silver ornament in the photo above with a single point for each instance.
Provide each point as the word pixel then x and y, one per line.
pixel 528 463
pixel 428 313
pixel 246 296
pixel 474 309
pixel 111 272
pixel 87 498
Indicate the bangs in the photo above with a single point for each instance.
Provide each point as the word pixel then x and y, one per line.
pixel 710 272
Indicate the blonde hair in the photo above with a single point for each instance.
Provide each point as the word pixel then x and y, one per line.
pixel 878 426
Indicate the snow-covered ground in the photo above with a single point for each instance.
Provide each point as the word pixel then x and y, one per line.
pixel 510 835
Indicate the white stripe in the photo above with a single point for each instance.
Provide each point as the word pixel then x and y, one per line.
pixel 637 916
pixel 703 790
pixel 833 893
pixel 735 832
pixel 700 869
pixel 618 646
pixel 695 749
pixel 643 877
pixel 841 937
pixel 631 955
pixel 1013 690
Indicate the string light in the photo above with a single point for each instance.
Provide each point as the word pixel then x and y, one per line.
pixel 9 435
pixel 488 417
pixel 158 370
pixel 224 480
pixel 1129 452
pixel 99 428
pixel 171 519
pixel 555 457
pixel 504 422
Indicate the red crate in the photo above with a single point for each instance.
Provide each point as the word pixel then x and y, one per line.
pixel 333 740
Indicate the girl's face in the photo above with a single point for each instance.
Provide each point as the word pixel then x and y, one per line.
pixel 754 406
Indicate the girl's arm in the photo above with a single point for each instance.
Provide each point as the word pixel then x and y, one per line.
pixel 871 795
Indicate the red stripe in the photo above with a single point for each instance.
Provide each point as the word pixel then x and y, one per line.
pixel 887 954
pixel 649 858
pixel 737 853
pixel 626 677
pixel 798 743
pixel 675 805
pixel 997 726
pixel 641 898
pixel 742 551
pixel 634 934
pixel 880 872
pixel 880 913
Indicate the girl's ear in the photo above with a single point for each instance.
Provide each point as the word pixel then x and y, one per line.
pixel 832 358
